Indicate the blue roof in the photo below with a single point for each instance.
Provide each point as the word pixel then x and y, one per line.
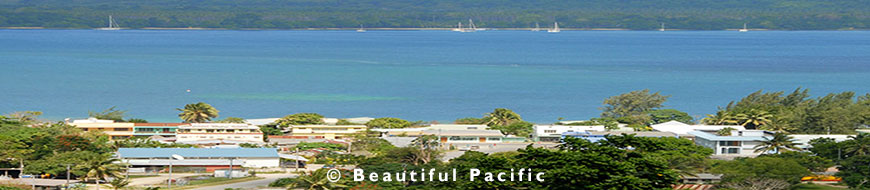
pixel 197 152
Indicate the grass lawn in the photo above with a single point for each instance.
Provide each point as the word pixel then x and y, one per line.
pixel 814 187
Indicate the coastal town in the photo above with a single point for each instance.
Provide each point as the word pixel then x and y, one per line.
pixel 108 151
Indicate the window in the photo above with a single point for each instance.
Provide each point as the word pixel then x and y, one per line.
pixel 209 130
pixel 121 129
pixel 549 131
pixel 472 127
pixel 493 139
pixel 729 143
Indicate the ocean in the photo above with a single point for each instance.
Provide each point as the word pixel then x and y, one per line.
pixel 414 75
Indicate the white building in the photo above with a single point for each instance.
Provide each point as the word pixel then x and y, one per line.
pixel 553 133
pixel 206 159
pixel 219 131
pixel 683 129
pixel 804 139
pixel 325 131
pixel 457 127
pixel 467 136
pixel 738 144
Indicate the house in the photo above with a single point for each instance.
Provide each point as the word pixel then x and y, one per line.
pixel 738 144
pixel 457 127
pixel 553 133
pixel 402 132
pixel 683 129
pixel 804 139
pixel 325 131
pixel 199 159
pixel 158 129
pixel 467 136
pixel 238 132
pixel 595 136
pixel 115 130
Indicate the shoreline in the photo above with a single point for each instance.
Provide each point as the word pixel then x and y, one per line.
pixel 399 29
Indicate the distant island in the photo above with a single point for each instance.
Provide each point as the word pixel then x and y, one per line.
pixel 303 14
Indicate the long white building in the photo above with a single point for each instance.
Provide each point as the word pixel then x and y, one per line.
pixel 237 132
pixel 553 133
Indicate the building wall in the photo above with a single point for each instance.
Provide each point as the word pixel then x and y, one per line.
pixel 262 162
pixel 185 137
pixel 326 131
pixel 114 130
pixel 553 133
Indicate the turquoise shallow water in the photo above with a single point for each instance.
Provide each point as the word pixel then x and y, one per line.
pixel 416 75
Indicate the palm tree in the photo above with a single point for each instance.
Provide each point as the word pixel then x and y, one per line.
pixel 316 180
pixel 197 113
pixel 502 117
pixel 859 145
pixel 119 183
pixel 100 166
pixel 779 143
pixel 754 119
pixel 721 117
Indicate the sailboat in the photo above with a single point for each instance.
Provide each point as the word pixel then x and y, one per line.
pixel 361 29
pixel 471 27
pixel 744 28
pixel 537 28
pixel 459 28
pixel 663 27
pixel 112 25
pixel 555 28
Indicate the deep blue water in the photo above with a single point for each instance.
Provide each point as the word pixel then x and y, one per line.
pixel 416 75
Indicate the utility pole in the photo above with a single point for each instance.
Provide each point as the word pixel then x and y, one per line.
pixel 231 169
pixel 67 175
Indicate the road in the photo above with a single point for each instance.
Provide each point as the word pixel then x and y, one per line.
pixel 144 181
pixel 268 178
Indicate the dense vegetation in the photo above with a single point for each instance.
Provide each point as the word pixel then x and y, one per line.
pixel 289 14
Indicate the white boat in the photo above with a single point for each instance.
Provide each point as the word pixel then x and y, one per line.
pixel 537 28
pixel 459 28
pixel 744 28
pixel 112 25
pixel 361 29
pixel 555 28
pixel 663 27
pixel 471 27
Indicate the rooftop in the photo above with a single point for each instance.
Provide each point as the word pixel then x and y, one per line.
pixel 197 152
pixel 485 133
pixel 218 126
pixel 734 137
pixel 683 129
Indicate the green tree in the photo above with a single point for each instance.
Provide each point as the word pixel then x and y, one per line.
pixel 316 180
pixel 632 103
pixel 100 166
pixel 300 119
pixel 855 171
pixel 109 114
pixel 754 119
pixel 472 120
pixel 25 117
pixel 197 113
pixel 858 144
pixel 780 142
pixel 270 130
pixel 827 148
pixel 119 183
pixel 744 169
pixel 137 120
pixel 721 117
pixel 388 123
pixel 520 129
pixel 725 131
pixel 665 115
pixel 426 149
pixel 231 120
pixel 502 117
pixel 812 162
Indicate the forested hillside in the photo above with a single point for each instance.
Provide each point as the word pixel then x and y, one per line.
pixel 289 14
